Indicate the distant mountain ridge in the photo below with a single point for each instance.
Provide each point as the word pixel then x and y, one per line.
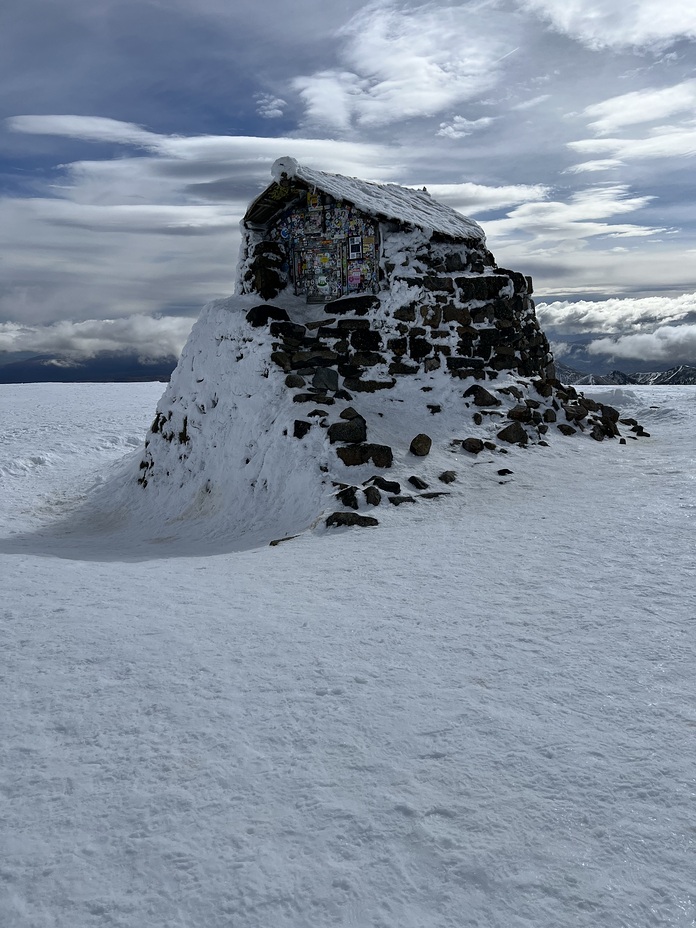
pixel 683 374
pixel 106 367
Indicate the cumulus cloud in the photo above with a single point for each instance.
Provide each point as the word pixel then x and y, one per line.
pixel 405 63
pixel 615 23
pixel 460 127
pixel 667 343
pixel 617 315
pixel 268 106
pixel 146 336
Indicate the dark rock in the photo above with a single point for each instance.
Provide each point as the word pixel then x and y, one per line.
pixel 259 315
pixel 312 398
pixel 514 434
pixel 431 364
pixel 520 413
pixel 574 412
pixel 608 412
pixel 597 432
pixel 504 472
pixel 447 476
pixel 434 408
pixel 326 378
pixel 343 395
pixel 418 348
pixel 478 418
pixel 350 413
pixel 418 483
pixel 288 331
pixel 389 486
pixel 360 305
pixel 350 518
pixel 549 415
pixel 350 325
pixel 401 369
pixel 472 445
pixel 566 429
pixel 367 358
pixel 265 273
pixel 481 288
pixel 282 359
pixel 367 386
pixel 453 313
pixel 318 413
pixel 349 430
pixel 301 428
pixel 398 500
pixel 365 340
pixel 481 396
pixel 398 346
pixel 294 380
pixel 434 495
pixel 406 313
pixel 372 496
pixel 349 497
pixel 421 445
pixel 357 454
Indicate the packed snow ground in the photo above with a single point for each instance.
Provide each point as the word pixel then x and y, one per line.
pixel 480 713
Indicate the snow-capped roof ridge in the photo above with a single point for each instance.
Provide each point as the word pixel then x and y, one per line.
pixel 403 204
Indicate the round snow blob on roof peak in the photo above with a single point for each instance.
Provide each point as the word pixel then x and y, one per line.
pixel 286 165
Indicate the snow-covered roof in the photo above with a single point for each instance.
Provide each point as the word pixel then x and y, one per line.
pixel 415 207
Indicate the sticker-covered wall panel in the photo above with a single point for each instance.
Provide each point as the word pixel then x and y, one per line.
pixel 331 247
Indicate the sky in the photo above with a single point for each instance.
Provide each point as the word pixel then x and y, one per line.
pixel 134 134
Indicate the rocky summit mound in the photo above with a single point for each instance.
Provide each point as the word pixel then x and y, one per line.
pixel 288 411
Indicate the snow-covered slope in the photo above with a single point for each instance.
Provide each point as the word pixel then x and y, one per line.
pixel 481 713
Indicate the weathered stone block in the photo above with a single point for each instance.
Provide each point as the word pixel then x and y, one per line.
pixel 349 430
pixel 355 455
pixel 360 305
pixel 260 315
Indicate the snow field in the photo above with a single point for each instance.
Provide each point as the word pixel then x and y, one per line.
pixel 479 713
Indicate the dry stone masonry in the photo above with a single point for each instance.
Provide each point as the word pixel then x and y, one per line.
pixel 369 297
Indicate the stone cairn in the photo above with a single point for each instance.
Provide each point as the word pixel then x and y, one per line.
pixel 443 307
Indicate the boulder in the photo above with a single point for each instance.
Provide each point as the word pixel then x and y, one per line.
pixel 472 445
pixel 349 430
pixel 514 434
pixel 481 396
pixel 357 454
pixel 301 428
pixel 447 476
pixel 326 378
pixel 421 445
